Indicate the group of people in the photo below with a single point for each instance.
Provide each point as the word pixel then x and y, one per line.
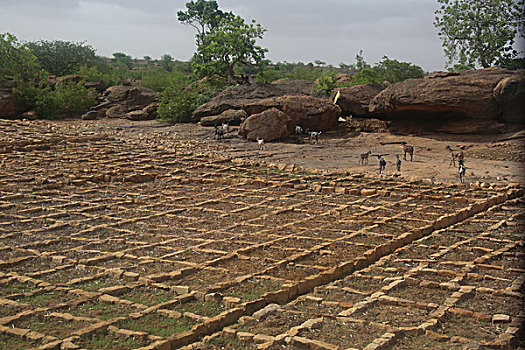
pixel 382 164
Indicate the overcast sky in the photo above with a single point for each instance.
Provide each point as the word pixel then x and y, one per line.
pixel 298 30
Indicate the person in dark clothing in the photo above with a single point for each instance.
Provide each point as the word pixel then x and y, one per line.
pixel 398 163
pixel 382 165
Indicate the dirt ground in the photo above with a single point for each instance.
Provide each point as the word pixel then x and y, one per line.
pixel 488 158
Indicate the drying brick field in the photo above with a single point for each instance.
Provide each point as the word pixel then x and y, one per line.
pixel 107 242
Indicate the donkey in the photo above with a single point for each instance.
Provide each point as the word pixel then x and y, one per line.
pixel 364 157
pixel 408 149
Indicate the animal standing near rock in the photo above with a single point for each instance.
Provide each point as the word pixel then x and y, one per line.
pixel 364 158
pixel 313 137
pixel 408 149
pixel 456 155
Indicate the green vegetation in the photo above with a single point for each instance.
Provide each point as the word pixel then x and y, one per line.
pixel 157 324
pixel 253 289
pixel 17 62
pixel 14 342
pixel 225 43
pixel 100 310
pixel 208 309
pixel 60 58
pixel 481 31
pixel 148 296
pixel 227 54
pixel 103 340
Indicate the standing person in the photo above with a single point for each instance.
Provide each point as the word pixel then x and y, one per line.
pixel 398 163
pixel 462 171
pixel 382 164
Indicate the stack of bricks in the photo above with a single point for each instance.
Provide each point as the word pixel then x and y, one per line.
pixel 133 246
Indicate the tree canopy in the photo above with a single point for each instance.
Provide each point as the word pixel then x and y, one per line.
pixel 225 42
pixel 16 60
pixel 62 57
pixel 480 31
pixel 203 15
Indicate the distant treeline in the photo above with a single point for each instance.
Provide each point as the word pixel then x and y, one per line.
pixel 28 66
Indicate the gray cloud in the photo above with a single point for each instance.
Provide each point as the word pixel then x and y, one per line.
pixel 298 30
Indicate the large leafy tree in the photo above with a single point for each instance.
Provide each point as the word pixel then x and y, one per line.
pixel 203 15
pixel 228 46
pixel 16 60
pixel 480 31
pixel 60 57
pixel 225 42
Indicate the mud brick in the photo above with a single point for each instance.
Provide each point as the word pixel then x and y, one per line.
pixel 314 323
pixel 267 310
pixel 181 290
pixel 115 290
pixel 500 318
pixel 252 306
pixel 281 296
pixel 341 190
pixel 481 316
pixel 262 338
pixel 513 330
pixel 436 336
pixel 55 344
pixel 245 336
pixel 368 191
pixel 115 273
pixel 231 301
pixel 130 334
pixel 461 312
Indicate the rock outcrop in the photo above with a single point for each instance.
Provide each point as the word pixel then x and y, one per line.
pixel 355 100
pixel 231 116
pixel 131 102
pixel 269 125
pixel 239 96
pixel 468 94
pixel 9 105
pixel 510 94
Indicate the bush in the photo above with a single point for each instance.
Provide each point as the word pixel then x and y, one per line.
pixel 178 101
pixel 326 83
pixel 67 99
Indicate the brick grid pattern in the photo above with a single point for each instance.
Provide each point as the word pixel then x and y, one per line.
pixel 105 237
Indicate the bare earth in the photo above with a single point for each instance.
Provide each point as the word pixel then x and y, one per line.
pixel 487 158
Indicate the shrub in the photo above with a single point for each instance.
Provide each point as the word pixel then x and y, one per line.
pixel 326 83
pixel 178 101
pixel 70 99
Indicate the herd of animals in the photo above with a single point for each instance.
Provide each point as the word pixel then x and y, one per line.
pixel 313 138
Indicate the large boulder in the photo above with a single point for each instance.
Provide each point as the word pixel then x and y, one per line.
pixel 231 116
pixel 307 111
pixel 131 102
pixel 510 94
pixel 468 94
pixel 355 100
pixel 130 96
pixel 9 105
pixel 241 95
pixel 269 125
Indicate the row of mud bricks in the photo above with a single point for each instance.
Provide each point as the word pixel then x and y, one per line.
pixel 291 291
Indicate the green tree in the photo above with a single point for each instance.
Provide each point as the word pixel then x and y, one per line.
pixel 62 57
pixel 326 83
pixel 479 31
pixel 17 61
pixel 203 15
pixel 122 60
pixel 229 45
pixel 166 62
